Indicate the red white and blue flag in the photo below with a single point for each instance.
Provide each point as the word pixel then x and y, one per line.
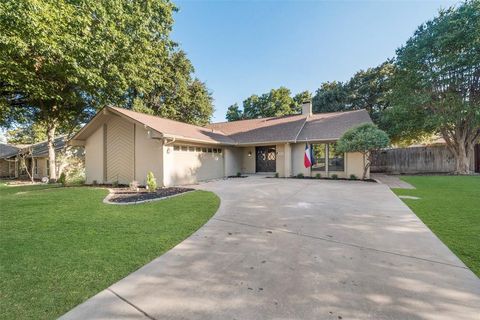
pixel 308 157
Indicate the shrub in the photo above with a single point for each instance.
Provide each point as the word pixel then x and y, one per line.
pixel 276 175
pixel 239 174
pixel 151 182
pixel 62 179
pixel 115 184
pixel 94 182
pixel 353 177
pixel 318 176
pixel 334 176
pixel 300 175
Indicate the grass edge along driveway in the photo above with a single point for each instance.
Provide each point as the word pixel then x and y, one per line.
pixel 450 207
pixel 60 246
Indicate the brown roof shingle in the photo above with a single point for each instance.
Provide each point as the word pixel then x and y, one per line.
pixel 321 126
pixel 293 128
pixel 176 128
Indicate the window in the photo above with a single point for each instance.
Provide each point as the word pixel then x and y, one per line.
pixel 191 149
pixel 198 149
pixel 323 153
pixel 35 166
pixel 320 156
pixel 184 148
pixel 220 151
pixel 210 150
pixel 215 150
pixel 176 148
pixel 336 160
pixel 48 168
pixel 204 149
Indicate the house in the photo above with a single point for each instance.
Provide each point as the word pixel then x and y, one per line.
pixel 123 146
pixel 35 157
pixel 8 165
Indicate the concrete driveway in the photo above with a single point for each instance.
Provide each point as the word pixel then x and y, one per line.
pixel 298 249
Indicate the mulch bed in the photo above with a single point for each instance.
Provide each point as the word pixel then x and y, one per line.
pixel 126 195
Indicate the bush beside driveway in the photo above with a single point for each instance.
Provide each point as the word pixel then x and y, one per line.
pixel 60 246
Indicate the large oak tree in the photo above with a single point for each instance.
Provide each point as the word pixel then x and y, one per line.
pixel 61 60
pixel 437 83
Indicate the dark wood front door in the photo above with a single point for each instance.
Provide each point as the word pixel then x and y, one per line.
pixel 265 159
pixel 477 158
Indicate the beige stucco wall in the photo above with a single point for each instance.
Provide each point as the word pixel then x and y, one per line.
pixel 94 157
pixel 280 160
pixel 186 167
pixel 354 165
pixel 41 168
pixel 248 162
pixel 148 156
pixel 232 161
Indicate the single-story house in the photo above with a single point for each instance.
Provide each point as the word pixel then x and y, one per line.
pixel 123 146
pixel 36 159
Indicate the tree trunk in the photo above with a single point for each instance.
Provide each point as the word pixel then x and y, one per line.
pixel 460 142
pixel 462 160
pixel 51 127
pixel 366 165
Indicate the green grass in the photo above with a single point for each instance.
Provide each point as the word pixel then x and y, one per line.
pixel 60 246
pixel 450 207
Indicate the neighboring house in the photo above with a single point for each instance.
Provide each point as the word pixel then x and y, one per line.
pixel 123 146
pixel 36 159
pixel 8 165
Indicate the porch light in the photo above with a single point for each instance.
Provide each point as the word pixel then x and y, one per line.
pixel 249 153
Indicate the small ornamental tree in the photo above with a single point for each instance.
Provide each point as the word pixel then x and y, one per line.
pixel 151 182
pixel 364 139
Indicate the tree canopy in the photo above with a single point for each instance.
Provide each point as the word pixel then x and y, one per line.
pixel 437 82
pixel 367 89
pixel 62 60
pixel 276 102
pixel 364 139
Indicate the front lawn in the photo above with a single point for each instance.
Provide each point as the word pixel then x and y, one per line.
pixel 60 246
pixel 450 207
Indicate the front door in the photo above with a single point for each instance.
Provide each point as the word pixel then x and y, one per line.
pixel 265 159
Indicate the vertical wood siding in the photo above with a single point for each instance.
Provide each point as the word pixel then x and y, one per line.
pixel 120 152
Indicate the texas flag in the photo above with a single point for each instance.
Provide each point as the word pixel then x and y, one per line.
pixel 308 157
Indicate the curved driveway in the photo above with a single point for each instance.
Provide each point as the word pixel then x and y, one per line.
pixel 298 249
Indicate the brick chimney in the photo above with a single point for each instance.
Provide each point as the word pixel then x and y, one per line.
pixel 307 108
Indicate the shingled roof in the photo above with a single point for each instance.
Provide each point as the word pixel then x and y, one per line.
pixel 7 150
pixel 296 128
pixel 293 128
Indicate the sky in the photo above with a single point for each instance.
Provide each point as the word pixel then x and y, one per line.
pixel 240 48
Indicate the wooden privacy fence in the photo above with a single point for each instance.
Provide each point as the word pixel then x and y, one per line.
pixel 431 159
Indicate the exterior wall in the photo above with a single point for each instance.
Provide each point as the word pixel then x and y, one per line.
pixel 94 164
pixel 148 156
pixel 248 162
pixel 187 167
pixel 41 168
pixel 120 151
pixel 298 151
pixel 353 164
pixel 280 160
pixel 233 161
pixel 4 168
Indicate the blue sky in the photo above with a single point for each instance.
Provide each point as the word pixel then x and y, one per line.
pixel 244 47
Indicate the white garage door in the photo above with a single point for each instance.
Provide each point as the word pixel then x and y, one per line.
pixel 193 163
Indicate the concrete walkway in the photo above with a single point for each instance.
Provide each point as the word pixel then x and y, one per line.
pixel 392 181
pixel 298 249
